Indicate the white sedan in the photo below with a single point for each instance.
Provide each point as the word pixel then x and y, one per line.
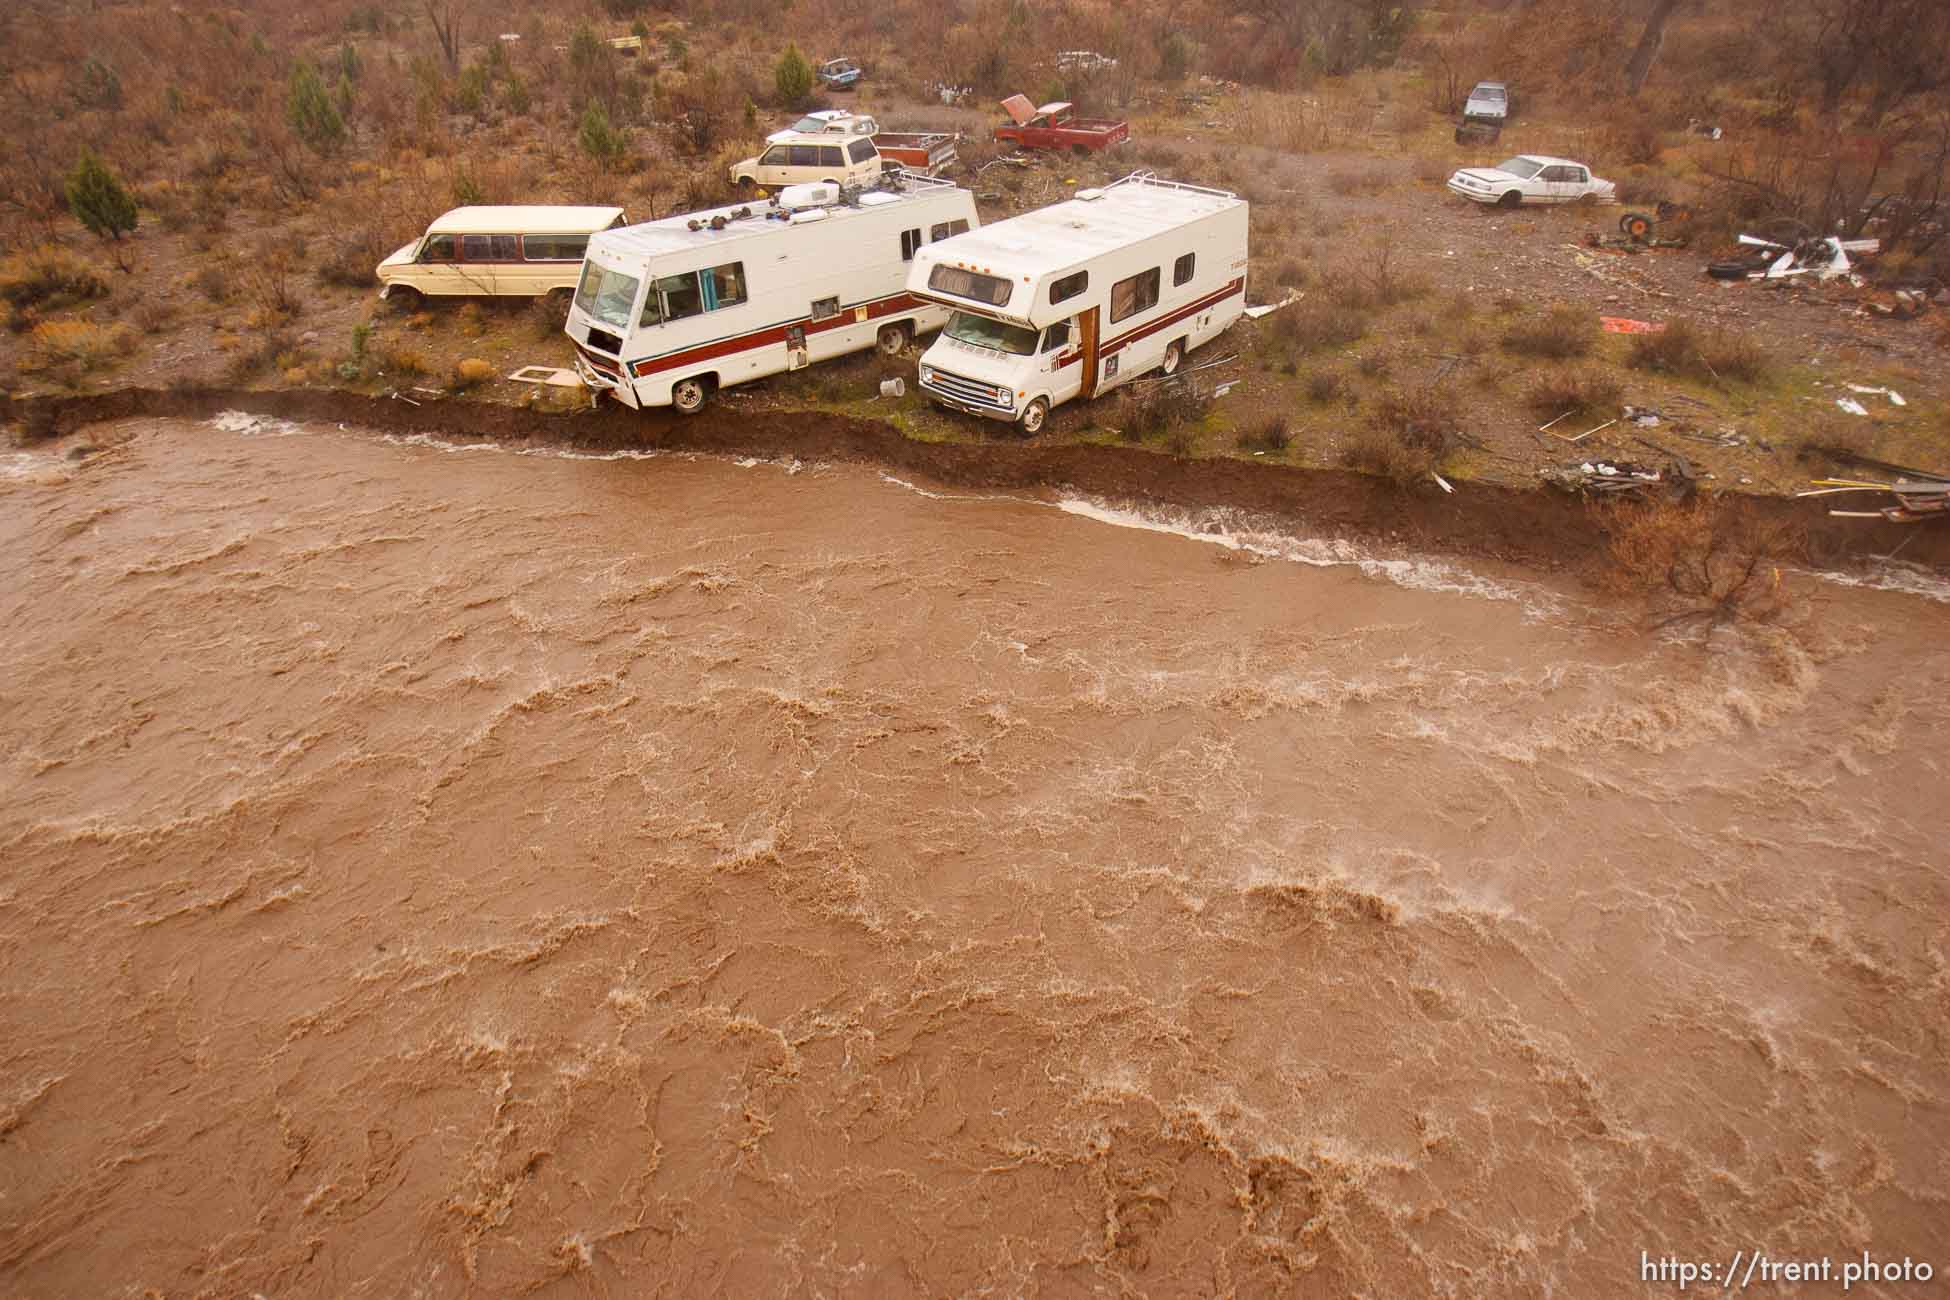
pixel 1532 178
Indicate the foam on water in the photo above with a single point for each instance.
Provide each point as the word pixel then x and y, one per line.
pixel 1416 574
pixel 1893 575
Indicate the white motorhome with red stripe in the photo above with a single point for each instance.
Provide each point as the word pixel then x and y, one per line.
pixel 671 310
pixel 1076 298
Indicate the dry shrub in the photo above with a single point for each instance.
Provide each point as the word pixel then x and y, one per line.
pixel 214 281
pixel 1291 274
pixel 1433 169
pixel 1703 560
pixel 471 320
pixel 1325 385
pixel 1377 452
pixel 48 278
pixel 1563 331
pixel 349 264
pixel 471 372
pixel 1349 181
pixel 1425 418
pixel 548 316
pixel 1568 391
pixel 397 359
pixel 154 315
pixel 1269 433
pixel 75 346
pixel 1320 322
pixel 1375 363
pixel 1683 348
pixel 1154 408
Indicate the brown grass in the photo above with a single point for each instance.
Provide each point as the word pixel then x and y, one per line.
pixel 75 346
pixel 1682 348
pixel 1269 433
pixel 1378 452
pixel 1427 418
pixel 1563 331
pixel 1568 391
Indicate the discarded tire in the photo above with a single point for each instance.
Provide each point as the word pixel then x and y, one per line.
pixel 1728 270
pixel 1635 224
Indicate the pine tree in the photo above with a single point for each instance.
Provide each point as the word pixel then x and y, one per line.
pixel 598 139
pixel 98 200
pixel 311 112
pixel 793 77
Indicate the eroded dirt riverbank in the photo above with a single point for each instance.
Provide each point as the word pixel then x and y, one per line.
pixel 1533 527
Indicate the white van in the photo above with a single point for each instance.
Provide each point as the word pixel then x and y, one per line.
pixel 496 250
pixel 803 157
pixel 671 310
pixel 1076 298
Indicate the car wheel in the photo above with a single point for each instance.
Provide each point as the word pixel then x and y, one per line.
pixel 1728 270
pixel 1081 151
pixel 1587 200
pixel 892 340
pixel 1635 224
pixel 1513 199
pixel 689 395
pixel 406 299
pixel 1174 355
pixel 1034 416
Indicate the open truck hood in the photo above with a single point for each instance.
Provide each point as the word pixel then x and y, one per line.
pixel 1019 108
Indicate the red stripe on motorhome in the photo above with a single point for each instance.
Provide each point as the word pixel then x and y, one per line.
pixel 773 334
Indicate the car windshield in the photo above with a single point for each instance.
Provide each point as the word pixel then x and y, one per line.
pixel 1520 167
pixel 1488 92
pixel 965 327
pixel 607 295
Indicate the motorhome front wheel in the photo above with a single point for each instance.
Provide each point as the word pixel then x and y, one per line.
pixel 688 396
pixel 1033 416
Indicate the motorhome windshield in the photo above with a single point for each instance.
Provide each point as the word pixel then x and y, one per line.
pixel 607 295
pixel 965 327
pixel 971 285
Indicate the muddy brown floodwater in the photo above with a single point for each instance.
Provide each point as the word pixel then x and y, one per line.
pixel 437 872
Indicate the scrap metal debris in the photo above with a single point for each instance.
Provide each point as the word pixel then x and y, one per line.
pixel 1825 257
pixel 1920 494
pixel 1895 398
pixel 1254 313
pixel 1625 325
pixel 1608 478
pixel 550 375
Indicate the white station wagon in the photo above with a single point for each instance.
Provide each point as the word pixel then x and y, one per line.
pixel 1532 178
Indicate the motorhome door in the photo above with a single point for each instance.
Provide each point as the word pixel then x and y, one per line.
pixel 1087 327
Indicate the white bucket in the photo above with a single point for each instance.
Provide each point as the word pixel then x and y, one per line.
pixel 893 388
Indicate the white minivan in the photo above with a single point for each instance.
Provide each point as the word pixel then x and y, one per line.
pixel 805 157
pixel 495 251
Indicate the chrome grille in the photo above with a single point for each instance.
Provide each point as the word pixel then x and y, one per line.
pixel 970 390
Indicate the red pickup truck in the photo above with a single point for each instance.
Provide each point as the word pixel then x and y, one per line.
pixel 1053 126
pixel 926 152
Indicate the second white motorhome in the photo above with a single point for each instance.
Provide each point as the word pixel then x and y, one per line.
pixel 669 311
pixel 1074 299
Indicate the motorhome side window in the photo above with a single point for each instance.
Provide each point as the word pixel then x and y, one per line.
pixel 947 230
pixel 860 150
pixel 1129 297
pixel 971 285
pixel 1056 336
pixel 910 240
pixel 1181 270
pixel 675 297
pixel 1068 287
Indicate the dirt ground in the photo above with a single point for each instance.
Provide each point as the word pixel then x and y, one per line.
pixel 1477 270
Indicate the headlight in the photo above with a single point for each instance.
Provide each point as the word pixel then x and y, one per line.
pixel 927 374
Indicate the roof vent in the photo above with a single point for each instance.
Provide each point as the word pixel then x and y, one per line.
pixel 1090 194
pixel 809 214
pixel 817 195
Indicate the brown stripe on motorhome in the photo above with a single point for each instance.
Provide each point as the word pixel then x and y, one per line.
pixel 1144 331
